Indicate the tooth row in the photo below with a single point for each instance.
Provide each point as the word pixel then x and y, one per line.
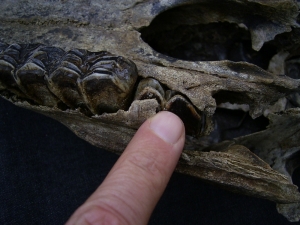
pixel 172 101
pixel 97 82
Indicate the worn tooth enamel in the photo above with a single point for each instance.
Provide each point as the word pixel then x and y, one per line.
pixel 70 66
pixel 93 80
pixel 102 72
pixel 13 50
pixel 63 83
pixel 170 94
pixel 6 78
pixel 38 54
pixel 193 122
pixel 106 88
pixel 74 57
pixel 63 80
pixel 8 63
pixel 3 46
pixel 31 80
pixel 108 62
pixel 31 75
pixel 150 88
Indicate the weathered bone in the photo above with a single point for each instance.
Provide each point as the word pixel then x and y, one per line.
pixel 96 26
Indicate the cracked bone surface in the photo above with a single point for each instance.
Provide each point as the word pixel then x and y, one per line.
pixel 201 59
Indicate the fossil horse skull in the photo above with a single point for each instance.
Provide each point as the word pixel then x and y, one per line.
pixel 102 68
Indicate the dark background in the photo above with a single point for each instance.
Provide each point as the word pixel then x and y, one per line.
pixel 47 172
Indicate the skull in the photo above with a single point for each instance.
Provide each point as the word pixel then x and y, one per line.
pixel 108 67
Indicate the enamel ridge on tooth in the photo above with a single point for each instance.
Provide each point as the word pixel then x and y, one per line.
pixel 150 88
pixel 99 81
pixel 9 61
pixel 172 101
pixel 95 82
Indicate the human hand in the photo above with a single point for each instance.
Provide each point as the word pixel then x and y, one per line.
pixel 134 185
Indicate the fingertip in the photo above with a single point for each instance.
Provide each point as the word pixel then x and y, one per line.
pixel 138 179
pixel 167 126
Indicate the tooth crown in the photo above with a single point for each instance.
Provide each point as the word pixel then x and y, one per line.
pixel 96 82
pixel 93 82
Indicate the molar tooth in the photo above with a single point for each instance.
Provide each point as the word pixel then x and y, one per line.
pixel 63 83
pixel 150 88
pixel 31 80
pixel 8 64
pixel 7 80
pixel 108 90
pixel 170 94
pixel 102 72
pixel 70 66
pixel 13 51
pixel 3 46
pixel 74 57
pixel 193 122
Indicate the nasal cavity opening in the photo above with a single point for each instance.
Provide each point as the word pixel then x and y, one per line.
pixel 296 177
pixel 293 167
pixel 232 118
pixel 203 42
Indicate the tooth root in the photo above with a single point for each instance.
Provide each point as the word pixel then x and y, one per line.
pixel 150 88
pixel 193 122
pixel 31 80
pixel 106 88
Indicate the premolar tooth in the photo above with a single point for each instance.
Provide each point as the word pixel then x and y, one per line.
pixel 150 88
pixel 193 122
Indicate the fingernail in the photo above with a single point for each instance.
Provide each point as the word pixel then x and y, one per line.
pixel 167 126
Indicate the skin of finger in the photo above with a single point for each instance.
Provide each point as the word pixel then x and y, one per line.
pixel 133 187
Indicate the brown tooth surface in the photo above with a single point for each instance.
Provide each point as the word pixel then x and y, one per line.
pixel 7 67
pixel 9 59
pixel 13 51
pixel 63 83
pixel 3 46
pixel 193 122
pixel 32 75
pixel 31 80
pixel 108 83
pixel 150 88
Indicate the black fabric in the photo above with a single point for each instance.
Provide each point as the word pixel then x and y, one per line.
pixel 47 172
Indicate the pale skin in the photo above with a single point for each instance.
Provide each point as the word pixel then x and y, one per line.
pixel 136 182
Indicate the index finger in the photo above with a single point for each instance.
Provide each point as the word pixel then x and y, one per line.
pixel 132 188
